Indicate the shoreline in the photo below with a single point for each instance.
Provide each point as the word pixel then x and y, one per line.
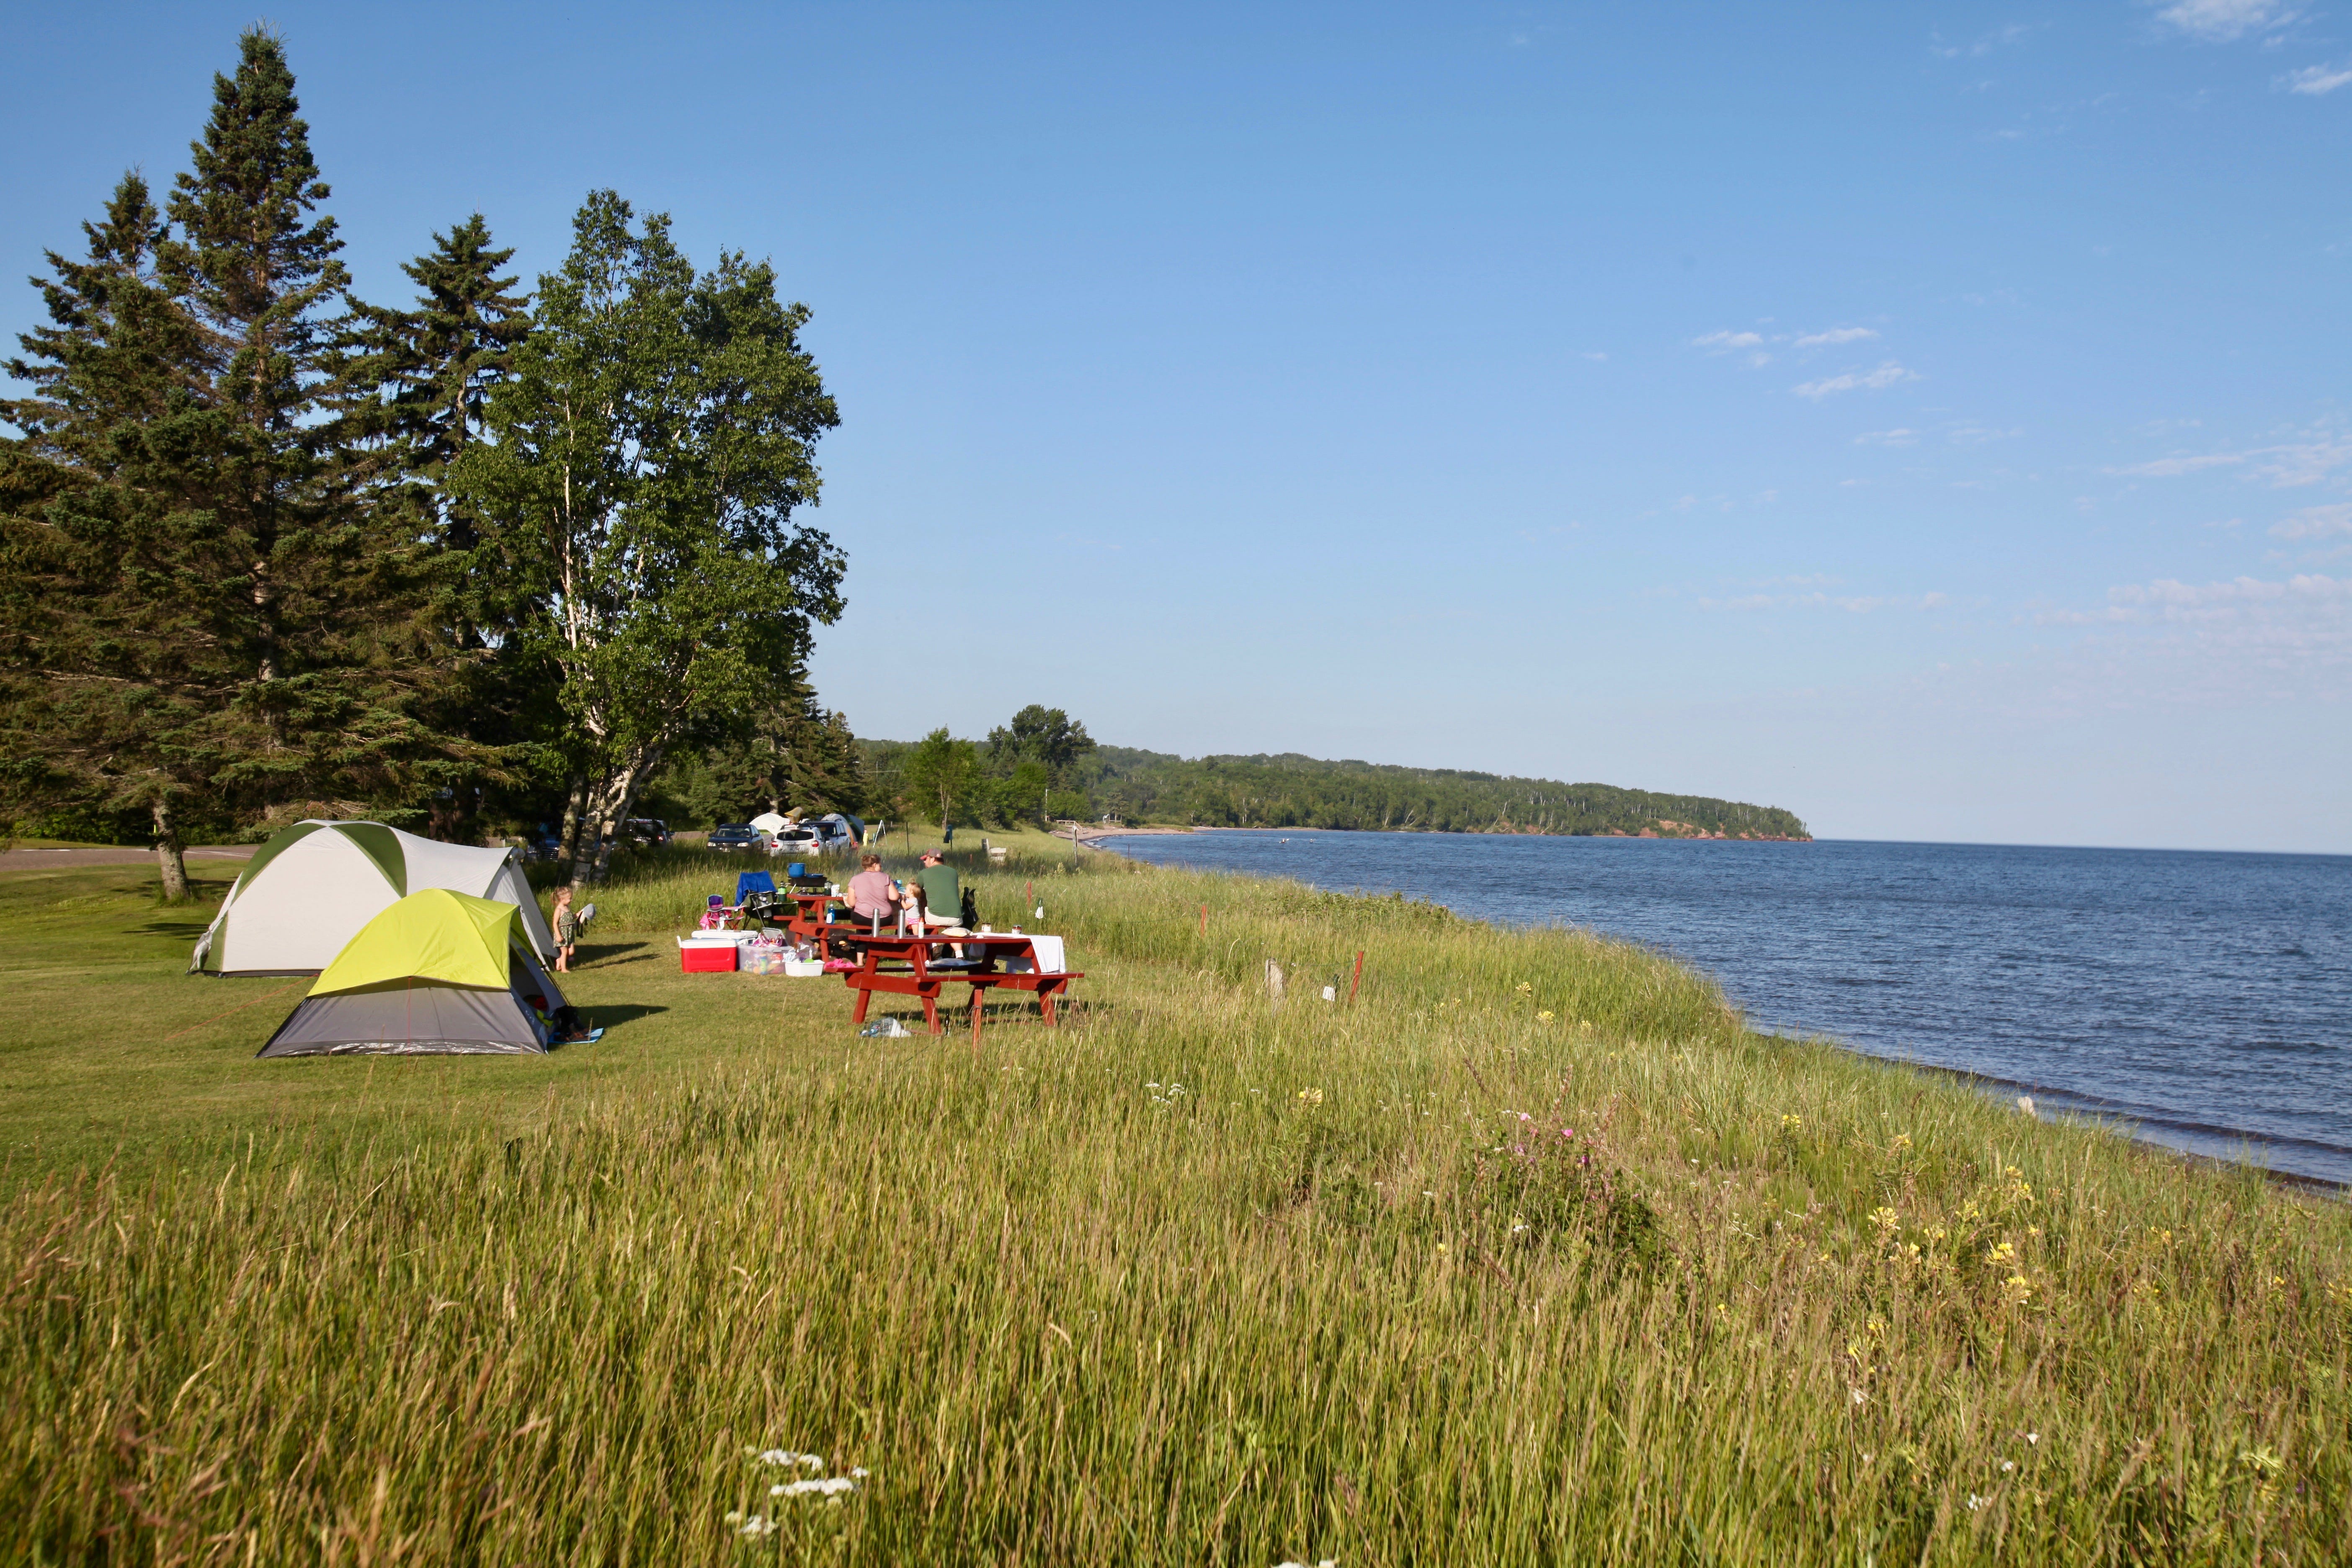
pixel 1093 835
pixel 2148 1129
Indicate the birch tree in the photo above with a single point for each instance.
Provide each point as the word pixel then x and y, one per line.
pixel 645 460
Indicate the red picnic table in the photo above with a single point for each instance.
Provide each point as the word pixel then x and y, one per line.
pixel 812 916
pixel 922 975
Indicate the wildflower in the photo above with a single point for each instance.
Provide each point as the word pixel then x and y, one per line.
pixel 1524 1117
pixel 1887 1221
pixel 1310 1097
pixel 1976 1502
pixel 757 1525
pixel 787 1458
pixel 1525 989
pixel 1544 1016
pixel 1517 1226
pixel 1427 1194
pixel 1859 1396
pixel 1792 1122
pixel 1902 1144
pixel 2018 1288
pixel 2032 1437
pixel 1151 1086
pixel 2002 1254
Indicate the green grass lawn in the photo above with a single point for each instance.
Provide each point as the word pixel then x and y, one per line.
pixel 1532 1254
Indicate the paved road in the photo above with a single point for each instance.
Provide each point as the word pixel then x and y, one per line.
pixel 15 859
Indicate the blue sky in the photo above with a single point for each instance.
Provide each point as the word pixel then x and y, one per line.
pixel 1932 419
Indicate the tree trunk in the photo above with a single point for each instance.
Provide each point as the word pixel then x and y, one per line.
pixel 575 806
pixel 620 799
pixel 170 861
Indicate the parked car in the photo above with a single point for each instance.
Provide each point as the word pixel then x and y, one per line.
pixel 733 836
pixel 834 833
pixel 798 839
pixel 650 831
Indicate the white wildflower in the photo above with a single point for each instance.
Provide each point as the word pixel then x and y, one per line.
pixel 1976 1502
pixel 1859 1396
pixel 819 1486
pixel 2034 1436
pixel 2008 1464
pixel 757 1525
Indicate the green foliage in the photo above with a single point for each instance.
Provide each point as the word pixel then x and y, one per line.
pixel 1292 790
pixel 206 615
pixel 944 779
pixel 650 446
pixel 796 756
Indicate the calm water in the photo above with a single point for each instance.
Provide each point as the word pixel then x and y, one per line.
pixel 2206 997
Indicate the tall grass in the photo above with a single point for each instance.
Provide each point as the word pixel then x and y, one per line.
pixel 1530 1254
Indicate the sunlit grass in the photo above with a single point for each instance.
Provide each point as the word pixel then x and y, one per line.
pixel 1530 1253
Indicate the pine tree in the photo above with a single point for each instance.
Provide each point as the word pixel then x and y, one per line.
pixel 112 364
pixel 207 610
pixel 425 374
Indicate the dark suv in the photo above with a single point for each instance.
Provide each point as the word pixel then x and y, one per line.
pixel 650 831
pixel 737 835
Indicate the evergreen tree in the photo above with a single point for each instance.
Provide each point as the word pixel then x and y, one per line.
pixel 76 696
pixel 204 611
pixel 795 756
pixel 428 373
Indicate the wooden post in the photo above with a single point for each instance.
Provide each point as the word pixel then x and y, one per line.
pixel 1358 980
pixel 1274 982
pixel 1204 921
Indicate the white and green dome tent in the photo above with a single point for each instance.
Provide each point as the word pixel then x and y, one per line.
pixel 308 891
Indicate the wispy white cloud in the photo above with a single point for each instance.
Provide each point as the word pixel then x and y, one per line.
pixel 1835 335
pixel 1895 437
pixel 1885 375
pixel 2316 80
pixel 1977 434
pixel 2173 468
pixel 2220 21
pixel 2315 522
pixel 1998 39
pixel 1728 340
pixel 2285 466
pixel 1595 355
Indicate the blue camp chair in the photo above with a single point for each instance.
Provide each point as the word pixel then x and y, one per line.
pixel 749 882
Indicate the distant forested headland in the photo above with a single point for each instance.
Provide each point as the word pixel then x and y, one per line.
pixel 1140 788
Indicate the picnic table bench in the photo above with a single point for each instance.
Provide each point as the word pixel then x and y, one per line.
pixel 913 970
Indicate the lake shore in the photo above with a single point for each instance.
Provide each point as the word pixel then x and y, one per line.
pixel 1204 1272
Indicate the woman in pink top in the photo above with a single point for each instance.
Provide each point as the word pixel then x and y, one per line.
pixel 872 894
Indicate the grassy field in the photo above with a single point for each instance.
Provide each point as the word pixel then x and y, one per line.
pixel 1530 1253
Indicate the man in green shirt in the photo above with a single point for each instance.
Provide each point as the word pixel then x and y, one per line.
pixel 942 892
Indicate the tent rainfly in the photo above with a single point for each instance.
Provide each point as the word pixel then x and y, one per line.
pixel 437 974
pixel 308 891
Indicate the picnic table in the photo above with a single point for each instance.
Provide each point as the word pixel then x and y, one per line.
pixel 914 969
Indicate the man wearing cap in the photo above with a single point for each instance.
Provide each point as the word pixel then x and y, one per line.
pixel 942 896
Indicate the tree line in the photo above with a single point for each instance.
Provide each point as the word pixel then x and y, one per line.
pixel 269 551
pixel 1043 765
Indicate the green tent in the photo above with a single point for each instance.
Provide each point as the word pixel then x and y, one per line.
pixel 438 972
